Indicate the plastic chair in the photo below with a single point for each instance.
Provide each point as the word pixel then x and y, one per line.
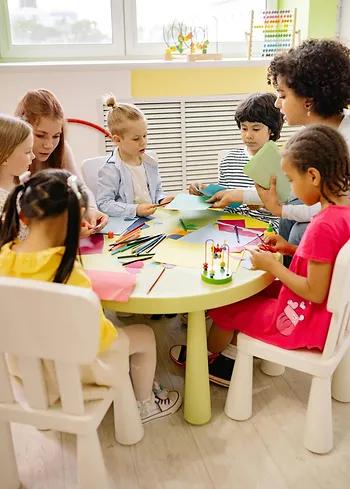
pixel 333 361
pixel 90 168
pixel 57 322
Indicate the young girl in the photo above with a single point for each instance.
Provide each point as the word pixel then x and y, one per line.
pixel 51 204
pixel 259 121
pixel 292 313
pixel 129 183
pixel 44 112
pixel 16 155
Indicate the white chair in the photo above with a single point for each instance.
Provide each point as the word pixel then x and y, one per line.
pixel 90 168
pixel 333 361
pixel 56 322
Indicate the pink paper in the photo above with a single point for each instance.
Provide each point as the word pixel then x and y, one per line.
pixel 112 286
pixel 135 267
pixel 226 224
pixel 91 245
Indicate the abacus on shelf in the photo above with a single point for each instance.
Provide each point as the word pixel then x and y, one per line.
pixel 271 31
pixel 218 270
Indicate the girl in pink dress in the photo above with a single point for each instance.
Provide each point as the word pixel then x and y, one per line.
pixel 292 312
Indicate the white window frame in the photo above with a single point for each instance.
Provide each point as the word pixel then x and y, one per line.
pixel 134 48
pixel 10 51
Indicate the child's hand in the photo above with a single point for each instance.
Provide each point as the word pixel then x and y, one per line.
pixel 277 243
pixel 86 229
pixel 269 197
pixel 195 188
pixel 96 219
pixel 166 200
pixel 144 210
pixel 224 198
pixel 262 260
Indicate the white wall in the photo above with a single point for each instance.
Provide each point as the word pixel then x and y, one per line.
pixel 344 22
pixel 79 89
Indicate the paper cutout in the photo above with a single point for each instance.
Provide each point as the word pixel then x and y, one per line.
pixel 186 202
pixel 91 245
pixel 229 236
pixel 213 188
pixel 112 286
pixel 265 164
pixel 226 224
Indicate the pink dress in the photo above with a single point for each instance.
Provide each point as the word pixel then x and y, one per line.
pixel 277 315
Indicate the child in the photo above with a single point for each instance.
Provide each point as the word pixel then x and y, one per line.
pixel 52 204
pixel 292 312
pixel 259 121
pixel 129 183
pixel 45 114
pixel 16 155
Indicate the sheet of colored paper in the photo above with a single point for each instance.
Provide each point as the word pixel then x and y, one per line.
pixel 187 202
pixel 117 224
pixel 91 245
pixel 180 253
pixel 225 224
pixel 112 286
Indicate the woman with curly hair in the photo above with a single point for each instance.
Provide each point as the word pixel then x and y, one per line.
pixel 313 87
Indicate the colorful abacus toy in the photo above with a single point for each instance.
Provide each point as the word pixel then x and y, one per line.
pixel 216 267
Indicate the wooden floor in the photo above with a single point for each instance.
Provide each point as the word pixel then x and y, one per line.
pixel 265 452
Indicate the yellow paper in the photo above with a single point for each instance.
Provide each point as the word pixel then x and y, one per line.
pixel 180 253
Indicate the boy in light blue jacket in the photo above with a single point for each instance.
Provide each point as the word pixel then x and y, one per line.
pixel 128 183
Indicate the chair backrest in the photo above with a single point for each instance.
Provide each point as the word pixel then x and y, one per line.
pixel 339 302
pixel 90 168
pixel 43 320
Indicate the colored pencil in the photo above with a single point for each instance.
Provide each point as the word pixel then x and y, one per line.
pixel 183 224
pixel 133 256
pixel 153 245
pixel 136 240
pixel 237 235
pixel 144 246
pixel 156 280
pixel 137 259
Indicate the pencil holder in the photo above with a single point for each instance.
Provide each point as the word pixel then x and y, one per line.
pixel 216 269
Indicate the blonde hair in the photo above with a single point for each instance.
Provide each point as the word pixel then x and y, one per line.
pixel 119 114
pixel 13 131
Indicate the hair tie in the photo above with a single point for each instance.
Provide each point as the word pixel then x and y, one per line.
pixel 72 183
pixel 23 179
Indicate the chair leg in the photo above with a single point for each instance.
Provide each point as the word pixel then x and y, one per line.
pixel 127 422
pixel 318 436
pixel 239 397
pixel 9 474
pixel 92 472
pixel 341 380
pixel 272 369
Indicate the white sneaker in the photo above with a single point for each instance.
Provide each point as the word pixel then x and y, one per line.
pixel 156 408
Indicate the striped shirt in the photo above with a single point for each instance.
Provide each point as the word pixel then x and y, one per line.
pixel 231 176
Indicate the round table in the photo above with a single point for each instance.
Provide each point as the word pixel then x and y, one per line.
pixel 181 290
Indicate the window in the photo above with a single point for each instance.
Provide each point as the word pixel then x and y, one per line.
pixel 65 29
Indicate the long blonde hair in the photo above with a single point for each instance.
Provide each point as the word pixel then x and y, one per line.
pixel 120 114
pixel 13 131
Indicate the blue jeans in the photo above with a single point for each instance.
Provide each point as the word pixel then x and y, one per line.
pixel 292 231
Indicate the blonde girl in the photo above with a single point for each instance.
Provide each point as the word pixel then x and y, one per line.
pixel 16 155
pixel 128 183
pixel 45 114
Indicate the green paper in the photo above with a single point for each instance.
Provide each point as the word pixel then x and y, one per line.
pixel 265 164
pixel 186 202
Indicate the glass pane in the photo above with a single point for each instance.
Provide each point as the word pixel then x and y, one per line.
pixel 220 20
pixel 60 22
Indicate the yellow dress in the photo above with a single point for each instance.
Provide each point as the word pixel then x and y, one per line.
pixel 42 265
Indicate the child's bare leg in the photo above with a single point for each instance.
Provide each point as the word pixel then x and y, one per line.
pixel 218 339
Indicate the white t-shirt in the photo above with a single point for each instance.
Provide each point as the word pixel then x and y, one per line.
pixel 140 185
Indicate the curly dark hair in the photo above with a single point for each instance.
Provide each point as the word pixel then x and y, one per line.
pixel 324 148
pixel 260 107
pixel 319 69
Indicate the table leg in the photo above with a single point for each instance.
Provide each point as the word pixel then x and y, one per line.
pixel 197 408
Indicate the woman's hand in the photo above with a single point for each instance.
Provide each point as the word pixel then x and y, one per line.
pixel 269 197
pixel 195 188
pixel 144 210
pixel 224 198
pixel 278 244
pixel 96 219
pixel 262 260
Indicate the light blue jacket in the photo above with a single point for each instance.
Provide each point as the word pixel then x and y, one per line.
pixel 115 191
